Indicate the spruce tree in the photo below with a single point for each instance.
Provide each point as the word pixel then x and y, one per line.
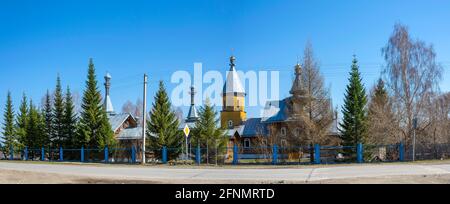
pixel 94 129
pixel 58 115
pixel 9 136
pixel 382 128
pixel 42 139
pixel 164 124
pixel 48 118
pixel 22 121
pixel 70 120
pixel 380 95
pixel 354 124
pixel 33 138
pixel 206 133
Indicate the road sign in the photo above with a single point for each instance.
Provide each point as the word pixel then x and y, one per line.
pixel 186 130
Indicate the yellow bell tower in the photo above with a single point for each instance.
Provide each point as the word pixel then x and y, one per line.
pixel 233 97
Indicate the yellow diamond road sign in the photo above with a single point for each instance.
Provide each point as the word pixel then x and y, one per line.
pixel 186 130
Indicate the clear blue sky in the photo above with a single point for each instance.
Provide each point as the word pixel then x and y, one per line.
pixel 39 39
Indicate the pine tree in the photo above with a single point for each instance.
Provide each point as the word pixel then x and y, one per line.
pixel 48 118
pixel 22 121
pixel 9 136
pixel 58 116
pixel 206 133
pixel 70 120
pixel 94 129
pixel 163 124
pixel 354 124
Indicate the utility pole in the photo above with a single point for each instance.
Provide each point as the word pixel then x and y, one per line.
pixel 414 138
pixel 144 118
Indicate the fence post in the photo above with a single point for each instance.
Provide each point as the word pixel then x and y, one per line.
pixel 26 153
pixel 42 154
pixel 198 155
pixel 164 155
pixel 11 153
pixel 106 154
pixel 275 154
pixel 235 154
pixel 61 154
pixel 401 152
pixel 133 154
pixel 82 153
pixel 316 154
pixel 359 151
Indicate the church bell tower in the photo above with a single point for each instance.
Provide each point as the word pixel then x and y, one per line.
pixel 233 97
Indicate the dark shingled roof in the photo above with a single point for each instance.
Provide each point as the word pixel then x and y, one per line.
pixel 253 127
pixel 130 134
pixel 275 111
pixel 116 120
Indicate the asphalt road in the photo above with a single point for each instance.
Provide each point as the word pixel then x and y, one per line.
pixel 232 175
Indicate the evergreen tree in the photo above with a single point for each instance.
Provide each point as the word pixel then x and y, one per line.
pixel 206 133
pixel 94 129
pixel 354 124
pixel 380 93
pixel 9 137
pixel 381 117
pixel 22 121
pixel 35 128
pixel 48 118
pixel 58 115
pixel 163 124
pixel 70 120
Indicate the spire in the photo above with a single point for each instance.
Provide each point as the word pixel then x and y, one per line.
pixel 192 115
pixel 297 85
pixel 232 64
pixel 233 83
pixel 193 92
pixel 107 104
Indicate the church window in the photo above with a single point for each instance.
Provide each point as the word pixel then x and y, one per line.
pixel 283 143
pixel 246 143
pixel 230 124
pixel 283 131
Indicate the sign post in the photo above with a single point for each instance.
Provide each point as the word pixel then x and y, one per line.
pixel 186 131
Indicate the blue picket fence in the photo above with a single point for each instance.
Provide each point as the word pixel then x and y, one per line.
pixel 265 155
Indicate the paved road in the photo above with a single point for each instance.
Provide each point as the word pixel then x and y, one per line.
pixel 261 175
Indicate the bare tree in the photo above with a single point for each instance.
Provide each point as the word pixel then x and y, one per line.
pixel 437 115
pixel 316 117
pixel 412 74
pixel 178 113
pixel 128 107
pixel 138 110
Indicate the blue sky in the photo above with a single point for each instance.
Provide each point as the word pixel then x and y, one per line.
pixel 39 39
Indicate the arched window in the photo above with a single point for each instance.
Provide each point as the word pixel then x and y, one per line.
pixel 230 124
pixel 283 131
pixel 283 143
